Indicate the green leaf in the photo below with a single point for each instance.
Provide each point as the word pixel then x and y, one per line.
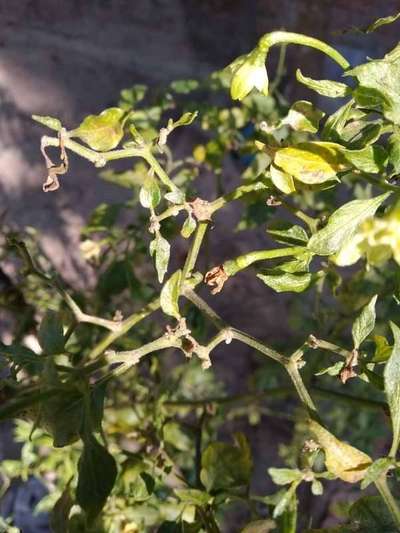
pixel 282 180
pixel 343 224
pixel 150 194
pixel 379 81
pixel 188 226
pixel 177 435
pixel 22 356
pixel 184 86
pixel 259 526
pixel 285 500
pixel 364 323
pixel 371 159
pixel 217 461
pixel 392 385
pixel 51 334
pixel 175 197
pixel 335 123
pixel 102 132
pixel 370 515
pixel 376 470
pixel 361 133
pixel 381 22
pixel 303 116
pixel 292 235
pixel 60 513
pixel 284 476
pixel 287 282
pixel 170 294
pixel 311 162
pixel 333 370
pixel 383 349
pixel 394 152
pixel 331 89
pixel 193 496
pixel 50 122
pixel 97 472
pixel 184 120
pixel 160 249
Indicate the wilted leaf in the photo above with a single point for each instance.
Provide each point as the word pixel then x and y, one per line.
pixel 51 334
pixel 392 384
pixel 376 470
pixel 170 294
pixel 303 116
pixel 287 282
pixel 332 89
pixel 364 323
pixel 341 459
pixel 97 472
pixel 102 132
pixel 188 226
pixel 282 180
pixel 343 224
pixel 160 248
pixel 150 194
pixel 311 162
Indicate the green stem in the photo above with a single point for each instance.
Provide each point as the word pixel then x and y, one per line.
pixel 293 371
pixel 387 496
pixel 158 169
pixel 233 266
pixel 193 251
pixel 236 194
pixel 284 37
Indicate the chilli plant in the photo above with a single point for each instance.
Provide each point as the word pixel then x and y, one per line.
pixel 125 438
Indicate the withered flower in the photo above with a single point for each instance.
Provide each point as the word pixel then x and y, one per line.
pixel 216 278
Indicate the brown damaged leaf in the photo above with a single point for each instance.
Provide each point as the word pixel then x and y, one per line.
pixel 201 209
pixel 52 183
pixel 348 371
pixel 216 278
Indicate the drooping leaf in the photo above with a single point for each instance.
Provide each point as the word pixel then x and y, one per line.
pixel 343 224
pixel 170 294
pixel 303 116
pixel 376 470
pixel 160 249
pixel 378 84
pixel 216 462
pixel 311 162
pixel 364 323
pixel 51 334
pixel 331 89
pixel 188 226
pixel 60 513
pixel 150 194
pixel 381 22
pixel 102 132
pixel 392 384
pixel 97 472
pixel 282 180
pixel 341 459
pixel 287 282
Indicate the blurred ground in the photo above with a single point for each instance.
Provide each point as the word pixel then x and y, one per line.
pixel 69 58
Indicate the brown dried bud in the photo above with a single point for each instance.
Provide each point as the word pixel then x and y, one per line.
pixel 216 278
pixel 347 371
pixel 201 210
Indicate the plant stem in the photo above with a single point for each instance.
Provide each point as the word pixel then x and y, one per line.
pixel 159 171
pixel 233 266
pixel 293 371
pixel 387 496
pixel 284 37
pixel 193 251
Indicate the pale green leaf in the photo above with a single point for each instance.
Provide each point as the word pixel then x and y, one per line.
pixel 364 323
pixel 284 476
pixel 188 226
pixel 392 384
pixel 50 122
pixel 101 132
pixel 303 116
pixel 282 180
pixel 343 224
pixel 150 194
pixel 287 282
pixel 170 294
pixel 160 249
pixel 376 470
pixel 285 500
pixel 317 488
pixel 381 22
pixel 193 496
pixel 292 235
pixel 331 89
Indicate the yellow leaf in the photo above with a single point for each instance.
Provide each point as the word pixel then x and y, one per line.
pixel 282 180
pixel 341 459
pixel 312 162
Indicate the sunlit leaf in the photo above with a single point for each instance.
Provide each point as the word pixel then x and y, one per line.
pixel 150 194
pixel 331 89
pixel 287 282
pixel 102 132
pixel 282 180
pixel 343 224
pixel 170 294
pixel 376 470
pixel 364 323
pixel 303 116
pixel 160 249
